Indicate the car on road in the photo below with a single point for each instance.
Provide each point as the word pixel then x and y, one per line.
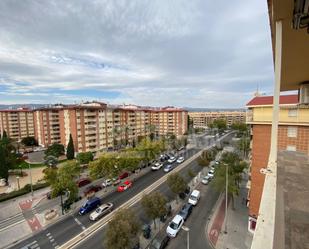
pixel 106 183
pixel 123 175
pixel 180 160
pixel 101 211
pixel 124 186
pixel 194 197
pixel 160 242
pixel 83 182
pixel 168 168
pixel 185 211
pixel 205 180
pixel 92 189
pixel 211 175
pixel 116 181
pixel 174 226
pixel 212 171
pixel 90 205
pixel 163 157
pixel 157 166
pixel 172 159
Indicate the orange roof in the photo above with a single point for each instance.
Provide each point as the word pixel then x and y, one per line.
pixel 268 100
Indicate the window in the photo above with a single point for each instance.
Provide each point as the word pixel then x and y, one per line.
pixel 292 131
pixel 291 148
pixel 292 113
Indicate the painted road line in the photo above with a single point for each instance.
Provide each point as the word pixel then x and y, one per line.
pixel 101 223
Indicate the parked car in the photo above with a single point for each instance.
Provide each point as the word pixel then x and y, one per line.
pixel 116 181
pixel 168 168
pixel 157 166
pixel 124 186
pixel 186 211
pixel 91 189
pixel 90 205
pixel 83 182
pixel 106 183
pixel 211 175
pixel 205 180
pixel 184 194
pixel 160 242
pixel 172 159
pixel 212 171
pixel 174 226
pixel 194 197
pixel 101 211
pixel 123 175
pixel 180 160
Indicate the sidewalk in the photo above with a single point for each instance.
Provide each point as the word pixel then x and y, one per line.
pixel 237 236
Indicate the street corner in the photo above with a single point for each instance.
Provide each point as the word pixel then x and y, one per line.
pixel 216 226
pixel 26 204
pixel 34 224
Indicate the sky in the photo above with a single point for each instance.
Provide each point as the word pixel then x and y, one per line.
pixel 197 53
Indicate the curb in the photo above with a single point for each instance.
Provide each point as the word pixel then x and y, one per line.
pixel 212 216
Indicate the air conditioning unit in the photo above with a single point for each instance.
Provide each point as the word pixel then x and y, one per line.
pixel 304 93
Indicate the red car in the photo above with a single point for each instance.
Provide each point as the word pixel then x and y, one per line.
pixel 83 182
pixel 124 186
pixel 92 189
pixel 123 175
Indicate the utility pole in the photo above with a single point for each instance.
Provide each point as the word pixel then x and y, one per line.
pixel 226 195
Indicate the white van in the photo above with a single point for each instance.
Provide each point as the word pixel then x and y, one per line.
pixel 194 197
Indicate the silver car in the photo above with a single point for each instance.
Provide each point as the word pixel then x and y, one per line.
pixel 101 211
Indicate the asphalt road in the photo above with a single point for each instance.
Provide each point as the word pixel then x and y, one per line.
pixel 60 232
pixel 72 225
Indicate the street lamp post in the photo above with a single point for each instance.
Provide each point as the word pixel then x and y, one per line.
pixel 188 236
pixel 17 178
pixel 30 176
pixel 226 195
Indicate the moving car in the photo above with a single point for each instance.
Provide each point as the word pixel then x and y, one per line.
pixel 186 211
pixel 180 159
pixel 101 211
pixel 107 182
pixel 174 226
pixel 91 189
pixel 160 242
pixel 123 175
pixel 172 159
pixel 168 168
pixel 124 186
pixel 90 205
pixel 157 166
pixel 205 180
pixel 83 182
pixel 194 197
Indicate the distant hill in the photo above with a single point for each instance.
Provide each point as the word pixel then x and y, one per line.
pixel 192 109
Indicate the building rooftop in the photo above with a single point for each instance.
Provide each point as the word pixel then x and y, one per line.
pixel 292 201
pixel 268 100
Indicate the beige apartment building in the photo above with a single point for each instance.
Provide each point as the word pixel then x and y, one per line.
pixel 17 123
pixel 96 126
pixel 203 119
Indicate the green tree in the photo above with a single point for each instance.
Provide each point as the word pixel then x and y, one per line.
pixel 231 162
pixel 4 135
pixel 70 149
pixel 154 205
pixel 29 141
pixel 243 145
pixel 55 150
pixel 220 124
pixel 105 166
pixel 84 157
pixel 7 156
pixel 51 161
pixel 122 231
pixel 206 157
pixel 63 179
pixel 176 183
pixel 148 149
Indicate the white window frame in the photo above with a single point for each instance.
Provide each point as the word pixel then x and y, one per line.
pixel 292 132
pixel 291 147
pixel 292 112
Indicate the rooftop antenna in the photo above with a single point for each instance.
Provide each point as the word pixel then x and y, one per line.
pixel 257 93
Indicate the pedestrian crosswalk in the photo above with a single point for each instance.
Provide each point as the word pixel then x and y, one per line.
pixel 33 245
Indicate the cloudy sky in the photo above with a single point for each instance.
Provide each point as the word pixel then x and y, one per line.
pixel 198 53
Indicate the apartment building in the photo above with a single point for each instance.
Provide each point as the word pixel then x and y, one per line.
pixel 203 119
pixel 293 135
pixel 17 123
pixel 96 126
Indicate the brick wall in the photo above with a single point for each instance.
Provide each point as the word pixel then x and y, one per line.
pixel 260 153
